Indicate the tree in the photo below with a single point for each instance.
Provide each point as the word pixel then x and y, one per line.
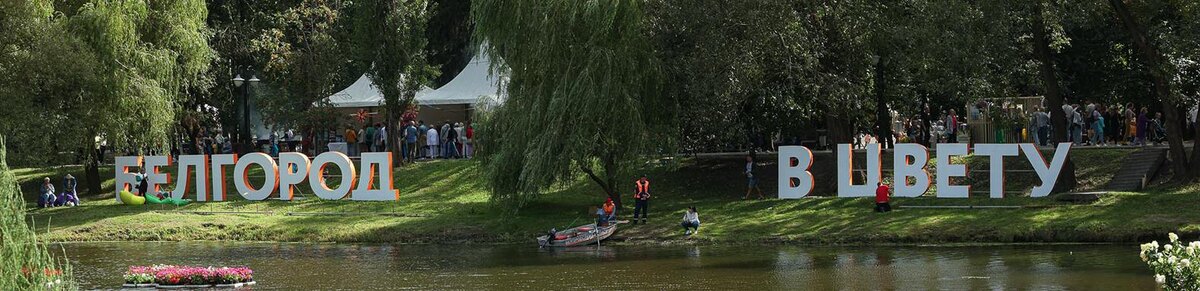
pixel 113 68
pixel 1053 91
pixel 1180 23
pixel 390 37
pixel 582 96
pixel 307 53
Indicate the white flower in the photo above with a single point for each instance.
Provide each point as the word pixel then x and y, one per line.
pixel 1174 237
pixel 1144 258
pixel 1185 263
pixel 1168 247
pixel 1171 260
pixel 1154 244
pixel 1160 279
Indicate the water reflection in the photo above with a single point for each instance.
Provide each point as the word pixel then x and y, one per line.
pixel 358 267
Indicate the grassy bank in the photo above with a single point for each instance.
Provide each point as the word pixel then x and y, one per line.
pixel 446 201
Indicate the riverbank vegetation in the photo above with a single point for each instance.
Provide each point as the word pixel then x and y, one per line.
pixel 25 261
pixel 447 202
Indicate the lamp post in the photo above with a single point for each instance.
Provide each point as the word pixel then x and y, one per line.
pixel 245 144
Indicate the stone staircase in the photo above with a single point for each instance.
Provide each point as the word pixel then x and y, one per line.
pixel 1138 169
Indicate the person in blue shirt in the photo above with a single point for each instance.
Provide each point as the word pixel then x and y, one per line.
pixel 410 141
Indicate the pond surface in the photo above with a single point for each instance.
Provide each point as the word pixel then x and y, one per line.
pixel 397 267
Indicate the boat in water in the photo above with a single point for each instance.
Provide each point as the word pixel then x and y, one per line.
pixel 578 236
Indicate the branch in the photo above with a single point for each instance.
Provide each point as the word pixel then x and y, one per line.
pixel 591 174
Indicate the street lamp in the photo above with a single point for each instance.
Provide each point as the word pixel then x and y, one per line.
pixel 244 133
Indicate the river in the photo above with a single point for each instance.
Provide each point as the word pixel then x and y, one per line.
pixel 302 266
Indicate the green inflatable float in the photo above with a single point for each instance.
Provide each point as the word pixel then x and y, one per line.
pixel 153 199
pixel 130 199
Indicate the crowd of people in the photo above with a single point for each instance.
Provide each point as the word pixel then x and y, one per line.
pixel 1088 124
pixel 418 141
pixel 1097 124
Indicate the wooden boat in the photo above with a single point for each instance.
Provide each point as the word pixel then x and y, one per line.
pixel 578 236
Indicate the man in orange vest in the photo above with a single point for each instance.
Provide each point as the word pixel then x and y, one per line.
pixel 641 197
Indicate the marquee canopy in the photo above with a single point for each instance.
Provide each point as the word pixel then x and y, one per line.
pixel 472 85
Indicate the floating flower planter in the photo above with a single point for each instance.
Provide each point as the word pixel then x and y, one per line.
pixel 184 277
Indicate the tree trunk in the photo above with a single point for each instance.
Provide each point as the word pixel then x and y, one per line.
pixel 1195 151
pixel 838 129
pixel 1162 88
pixel 883 118
pixel 1041 52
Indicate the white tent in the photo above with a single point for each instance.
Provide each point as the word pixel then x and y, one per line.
pixel 473 85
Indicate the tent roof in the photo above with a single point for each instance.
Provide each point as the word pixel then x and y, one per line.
pixel 472 85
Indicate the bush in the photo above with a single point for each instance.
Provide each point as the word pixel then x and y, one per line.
pixel 1174 264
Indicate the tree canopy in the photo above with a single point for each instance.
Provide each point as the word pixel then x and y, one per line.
pixel 584 99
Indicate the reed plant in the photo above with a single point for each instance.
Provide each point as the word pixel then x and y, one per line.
pixel 25 263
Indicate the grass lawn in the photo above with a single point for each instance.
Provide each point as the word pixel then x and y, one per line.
pixel 447 201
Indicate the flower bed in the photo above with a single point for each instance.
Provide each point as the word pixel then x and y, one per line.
pixel 166 276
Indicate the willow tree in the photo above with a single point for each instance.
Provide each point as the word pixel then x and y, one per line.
pixel 582 94
pixel 389 36
pixel 112 68
pixel 25 263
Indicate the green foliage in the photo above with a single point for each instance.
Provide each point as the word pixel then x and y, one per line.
pixel 1173 263
pixel 583 93
pixel 25 263
pixel 112 68
pixel 390 37
pixel 306 49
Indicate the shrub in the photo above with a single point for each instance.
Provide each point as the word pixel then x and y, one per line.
pixel 1174 264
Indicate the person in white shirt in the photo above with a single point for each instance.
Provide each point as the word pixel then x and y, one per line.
pixel 461 143
pixel 691 220
pixel 431 142
pixel 381 139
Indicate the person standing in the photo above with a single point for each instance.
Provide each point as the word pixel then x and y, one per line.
pixel 751 180
pixel 1097 127
pixel 882 198
pixel 421 130
pixel 451 143
pixel 952 127
pixel 369 138
pixel 351 141
pixel 410 141
pixel 470 145
pixel 431 142
pixel 1112 122
pixel 1130 124
pixel 1142 125
pixel 691 220
pixel 444 139
pixel 641 197
pixel 1041 124
pixel 462 139
pixel 1158 129
pixel 1077 125
pixel 381 138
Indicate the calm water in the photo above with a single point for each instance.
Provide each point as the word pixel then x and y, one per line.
pixel 358 267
